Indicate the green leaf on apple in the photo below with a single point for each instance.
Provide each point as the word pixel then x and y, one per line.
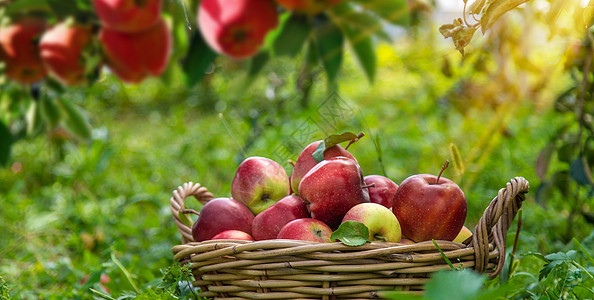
pixel 351 233
pixel 318 155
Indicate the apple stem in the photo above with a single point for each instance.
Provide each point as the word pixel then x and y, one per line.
pixel 445 166
pixel 366 186
pixel 359 135
pixel 189 211
pixel 291 162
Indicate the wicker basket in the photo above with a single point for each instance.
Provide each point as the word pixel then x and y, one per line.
pixel 288 269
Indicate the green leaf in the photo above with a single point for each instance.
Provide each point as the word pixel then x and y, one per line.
pixel 318 155
pixel 289 36
pixel 74 121
pixel 6 140
pixel 580 171
pixel 20 6
pixel 495 9
pixel 185 219
pixel 362 45
pixel 361 21
pixel 34 120
pixel 198 59
pixel 394 11
pixel 351 233
pixel 50 111
pixel 336 139
pixel 467 285
pixel 62 8
pixel 329 40
pixel 257 63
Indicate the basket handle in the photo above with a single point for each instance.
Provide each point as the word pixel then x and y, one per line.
pixel 496 220
pixel 178 206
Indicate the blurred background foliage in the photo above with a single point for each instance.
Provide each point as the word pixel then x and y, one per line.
pixel 518 103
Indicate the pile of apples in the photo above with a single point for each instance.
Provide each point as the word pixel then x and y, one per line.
pixel 319 196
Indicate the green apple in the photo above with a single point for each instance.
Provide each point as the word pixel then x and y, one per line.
pixel 382 223
pixel 463 235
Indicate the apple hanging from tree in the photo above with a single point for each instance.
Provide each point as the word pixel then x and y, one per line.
pixel 128 15
pixel 331 188
pixel 381 189
pixel 221 214
pixel 19 49
pixel 268 223
pixel 430 207
pixel 306 229
pixel 236 29
pixel 134 56
pixel 259 183
pixel 381 222
pixel 61 51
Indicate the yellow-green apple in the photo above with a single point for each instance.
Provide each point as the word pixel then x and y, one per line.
pixel 128 15
pixel 306 229
pixel 310 7
pixel 134 56
pixel 19 49
pixel 233 235
pixel 381 190
pixel 61 51
pixel 429 207
pixel 259 182
pixel 221 214
pixel 331 188
pixel 463 235
pixel 268 223
pixel 236 29
pixel 305 161
pixel 381 222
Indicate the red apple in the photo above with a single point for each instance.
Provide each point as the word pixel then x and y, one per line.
pixel 268 223
pixel 19 49
pixel 236 29
pixel 382 191
pixel 259 183
pixel 331 188
pixel 429 207
pixel 307 229
pixel 134 56
pixel 305 161
pixel 232 235
pixel 219 215
pixel 128 15
pixel 463 235
pixel 61 51
pixel 381 222
pixel 311 7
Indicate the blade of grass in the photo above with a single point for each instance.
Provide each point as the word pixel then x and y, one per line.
pixel 125 271
pixel 443 255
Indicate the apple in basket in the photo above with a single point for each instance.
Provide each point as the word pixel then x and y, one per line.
pixel 268 223
pixel 232 235
pixel 221 214
pixel 381 189
pixel 430 207
pixel 259 183
pixel 306 229
pixel 381 222
pixel 331 188
pixel 305 161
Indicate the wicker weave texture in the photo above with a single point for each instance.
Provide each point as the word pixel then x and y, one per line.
pixel 289 269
